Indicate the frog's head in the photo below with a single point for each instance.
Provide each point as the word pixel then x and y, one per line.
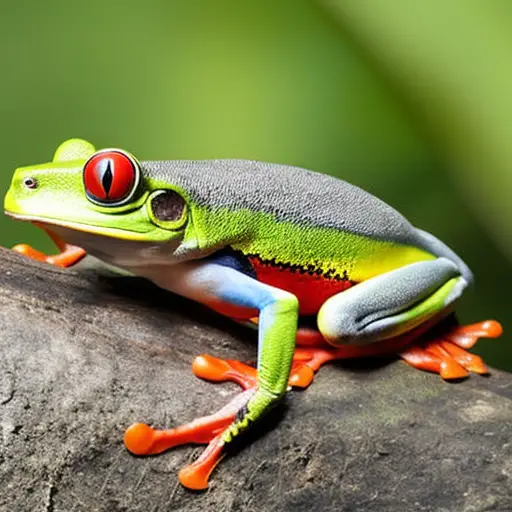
pixel 102 201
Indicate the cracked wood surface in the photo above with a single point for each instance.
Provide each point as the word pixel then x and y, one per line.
pixel 83 356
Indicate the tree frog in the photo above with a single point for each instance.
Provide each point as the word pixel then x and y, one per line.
pixel 322 269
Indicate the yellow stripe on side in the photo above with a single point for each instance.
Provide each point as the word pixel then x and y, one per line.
pixel 386 257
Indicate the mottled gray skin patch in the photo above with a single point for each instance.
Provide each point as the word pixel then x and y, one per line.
pixel 296 195
pixel 291 194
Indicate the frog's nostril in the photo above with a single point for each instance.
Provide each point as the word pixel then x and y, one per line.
pixel 30 182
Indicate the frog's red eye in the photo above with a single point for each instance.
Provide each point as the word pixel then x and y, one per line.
pixel 111 177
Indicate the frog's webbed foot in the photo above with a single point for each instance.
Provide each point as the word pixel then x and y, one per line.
pixel 141 439
pixel 440 349
pixel 443 351
pixel 67 257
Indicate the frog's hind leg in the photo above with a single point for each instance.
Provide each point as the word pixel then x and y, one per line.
pixel 391 303
pixel 376 311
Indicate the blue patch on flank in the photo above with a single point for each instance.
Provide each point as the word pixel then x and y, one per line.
pixel 228 257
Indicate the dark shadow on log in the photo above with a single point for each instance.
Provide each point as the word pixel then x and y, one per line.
pixel 83 357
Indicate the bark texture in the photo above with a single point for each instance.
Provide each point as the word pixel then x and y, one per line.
pixel 82 356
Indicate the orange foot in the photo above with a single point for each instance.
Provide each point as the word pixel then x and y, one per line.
pixel 141 439
pixel 68 255
pixel 445 353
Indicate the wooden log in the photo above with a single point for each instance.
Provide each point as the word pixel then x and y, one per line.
pixel 85 355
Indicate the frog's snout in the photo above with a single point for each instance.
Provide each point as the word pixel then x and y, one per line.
pixel 23 185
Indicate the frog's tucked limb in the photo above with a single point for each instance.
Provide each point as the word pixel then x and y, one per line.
pixel 391 303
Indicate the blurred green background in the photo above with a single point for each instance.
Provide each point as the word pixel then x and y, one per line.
pixel 411 101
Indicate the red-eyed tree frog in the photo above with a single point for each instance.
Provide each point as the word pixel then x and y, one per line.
pixel 309 260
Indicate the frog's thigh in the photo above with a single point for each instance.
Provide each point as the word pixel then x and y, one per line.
pixel 391 303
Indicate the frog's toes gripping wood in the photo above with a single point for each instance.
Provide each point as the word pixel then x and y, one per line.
pixel 141 439
pixel 67 257
pixel 445 353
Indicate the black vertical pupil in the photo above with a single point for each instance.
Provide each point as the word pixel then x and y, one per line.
pixel 107 178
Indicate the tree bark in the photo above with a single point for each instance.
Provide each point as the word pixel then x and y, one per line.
pixel 84 355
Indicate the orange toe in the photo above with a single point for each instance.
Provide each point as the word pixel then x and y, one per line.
pixel 195 476
pixel 302 377
pixel 491 328
pixel 451 370
pixel 470 361
pixel 220 370
pixel 139 439
pixel 466 336
pixel 210 368
pixel 30 252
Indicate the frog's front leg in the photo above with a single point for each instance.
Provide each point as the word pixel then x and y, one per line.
pixel 213 285
pixel 68 256
pixel 392 305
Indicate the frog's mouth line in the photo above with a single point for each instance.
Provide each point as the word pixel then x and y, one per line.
pixel 86 228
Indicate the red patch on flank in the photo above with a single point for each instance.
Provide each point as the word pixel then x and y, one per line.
pixel 311 288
